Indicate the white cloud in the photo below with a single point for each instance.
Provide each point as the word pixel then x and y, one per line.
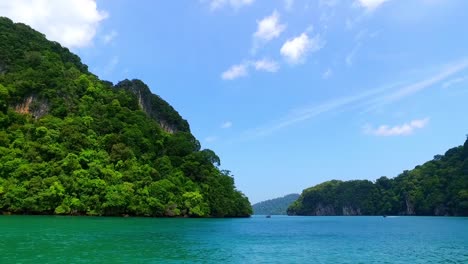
pixel 296 50
pixel 266 65
pixel 107 38
pixel 398 130
pixel 227 124
pixel 269 28
pixel 236 71
pixel 242 70
pixel 327 74
pixel 370 5
pixel 72 23
pixel 236 4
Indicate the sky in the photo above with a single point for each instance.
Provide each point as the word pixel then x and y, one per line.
pixel 289 93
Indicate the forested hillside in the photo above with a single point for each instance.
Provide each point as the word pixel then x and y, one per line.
pixel 438 187
pixel 277 206
pixel 72 144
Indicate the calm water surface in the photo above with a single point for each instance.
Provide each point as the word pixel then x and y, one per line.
pixel 280 239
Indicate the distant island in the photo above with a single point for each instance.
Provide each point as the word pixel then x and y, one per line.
pixel 72 144
pixel 277 206
pixel 437 188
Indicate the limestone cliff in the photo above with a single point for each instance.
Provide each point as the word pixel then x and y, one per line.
pixel 154 106
pixel 34 106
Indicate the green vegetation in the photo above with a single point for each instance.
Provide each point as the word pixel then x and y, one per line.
pixel 277 206
pixel 439 187
pixel 72 144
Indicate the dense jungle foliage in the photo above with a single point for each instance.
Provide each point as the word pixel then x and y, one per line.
pixel 438 187
pixel 71 144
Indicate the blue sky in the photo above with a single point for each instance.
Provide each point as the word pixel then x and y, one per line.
pixel 289 93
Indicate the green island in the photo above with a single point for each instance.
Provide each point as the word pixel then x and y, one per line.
pixel 72 144
pixel 277 206
pixel 437 188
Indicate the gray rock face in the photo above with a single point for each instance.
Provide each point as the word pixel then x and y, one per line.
pixel 34 106
pixel 348 210
pixel 329 210
pixel 155 107
pixel 409 206
pixel 441 210
pixel 323 210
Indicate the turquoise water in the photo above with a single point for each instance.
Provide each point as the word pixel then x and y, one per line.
pixel 280 239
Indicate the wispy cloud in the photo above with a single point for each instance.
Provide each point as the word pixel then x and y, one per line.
pixel 288 4
pixel 295 50
pixel 109 67
pixel 227 124
pixel 236 4
pixel 455 81
pixel 327 74
pixel 371 98
pixel 397 130
pixel 328 3
pixel 419 86
pixel 350 57
pixel 358 42
pixel 303 114
pixel 370 5
pixel 107 38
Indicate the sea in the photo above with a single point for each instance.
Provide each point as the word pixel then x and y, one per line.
pixel 258 239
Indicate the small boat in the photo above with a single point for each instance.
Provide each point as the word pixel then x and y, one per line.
pixel 268 216
pixel 384 216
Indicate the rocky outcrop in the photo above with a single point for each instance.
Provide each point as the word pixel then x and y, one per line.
pixel 34 106
pixel 348 210
pixel 329 210
pixel 166 127
pixel 322 210
pixel 409 206
pixel 441 210
pixel 155 107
